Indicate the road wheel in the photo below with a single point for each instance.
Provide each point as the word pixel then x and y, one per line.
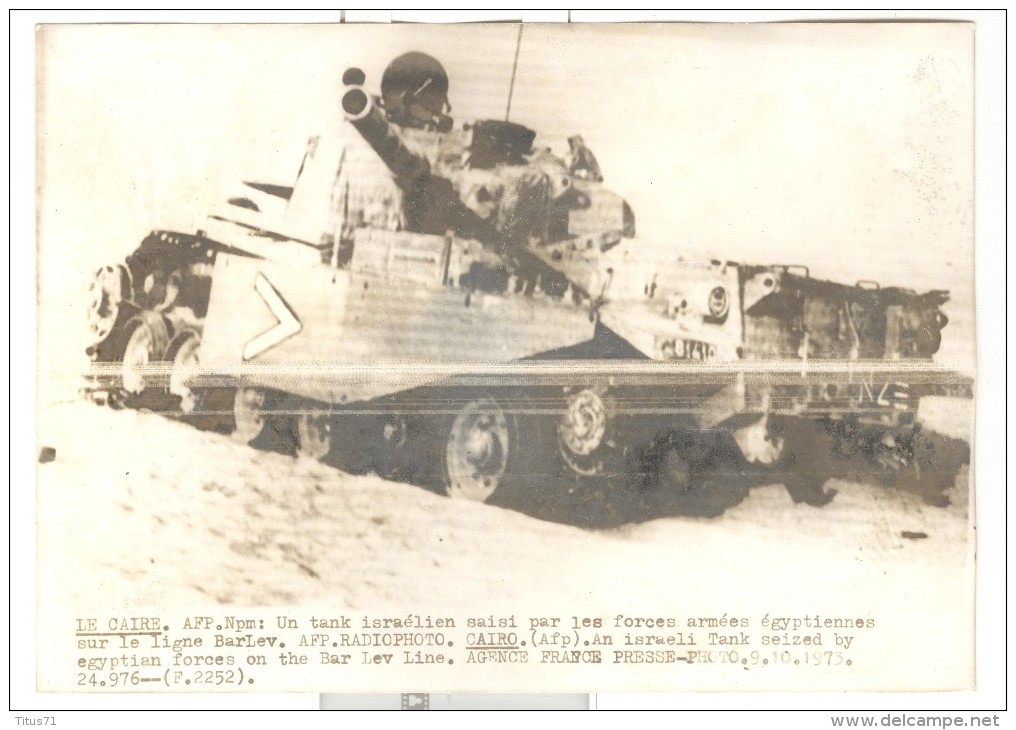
pixel 313 435
pixel 807 460
pixel 583 440
pixel 352 439
pixel 686 466
pixel 761 441
pixel 146 343
pixel 205 408
pixel 214 411
pixel 478 450
pixel 391 446
pixel 183 354
pixel 250 413
pixel 675 471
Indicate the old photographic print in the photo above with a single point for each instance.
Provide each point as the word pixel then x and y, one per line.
pixel 505 357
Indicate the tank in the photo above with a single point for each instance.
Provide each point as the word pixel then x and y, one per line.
pixel 458 307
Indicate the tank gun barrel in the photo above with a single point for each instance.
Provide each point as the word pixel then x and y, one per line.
pixel 382 136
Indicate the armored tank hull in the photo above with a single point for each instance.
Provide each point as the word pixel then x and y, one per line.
pixel 469 309
pixel 340 365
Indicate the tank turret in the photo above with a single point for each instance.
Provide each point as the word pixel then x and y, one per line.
pixel 486 181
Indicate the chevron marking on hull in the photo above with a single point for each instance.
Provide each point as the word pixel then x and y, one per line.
pixel 287 326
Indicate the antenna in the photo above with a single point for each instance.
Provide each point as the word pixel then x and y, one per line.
pixel 515 65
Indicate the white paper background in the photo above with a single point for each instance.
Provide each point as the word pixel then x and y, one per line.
pixel 986 376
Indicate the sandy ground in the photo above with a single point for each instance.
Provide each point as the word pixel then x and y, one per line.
pixel 142 515
pixel 164 514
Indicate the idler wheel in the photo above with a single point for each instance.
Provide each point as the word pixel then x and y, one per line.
pixel 105 300
pixel 147 341
pixel 478 450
